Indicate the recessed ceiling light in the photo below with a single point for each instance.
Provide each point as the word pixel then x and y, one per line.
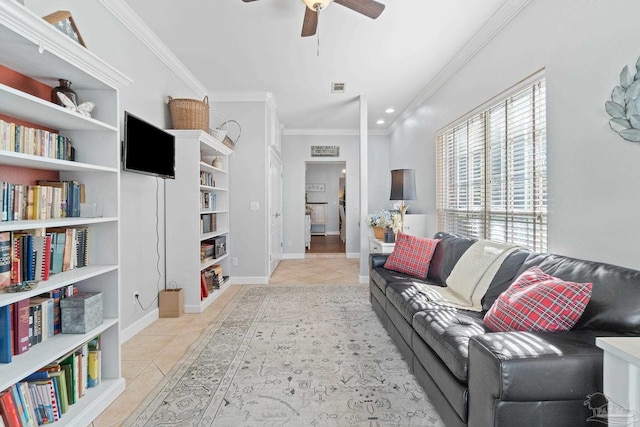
pixel 390 110
pixel 380 122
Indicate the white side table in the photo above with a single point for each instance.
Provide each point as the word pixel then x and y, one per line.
pixel 379 247
pixel 621 379
pixel 307 231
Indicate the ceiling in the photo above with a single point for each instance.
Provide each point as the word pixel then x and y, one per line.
pixel 236 49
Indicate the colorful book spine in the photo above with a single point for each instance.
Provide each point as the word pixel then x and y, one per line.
pixel 20 408
pixel 21 326
pixel 5 259
pixel 56 294
pixel 9 409
pixel 27 401
pixel 5 334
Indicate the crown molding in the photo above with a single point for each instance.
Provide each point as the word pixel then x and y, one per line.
pixel 257 96
pixel 505 14
pixel 332 132
pixel 123 12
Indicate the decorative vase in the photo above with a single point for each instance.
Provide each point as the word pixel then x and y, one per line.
pixel 217 162
pixel 65 88
pixel 389 236
pixel 378 233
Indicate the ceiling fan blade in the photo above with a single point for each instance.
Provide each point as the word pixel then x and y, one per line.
pixel 247 1
pixel 310 23
pixel 370 8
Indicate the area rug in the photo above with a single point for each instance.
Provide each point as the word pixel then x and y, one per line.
pixel 291 356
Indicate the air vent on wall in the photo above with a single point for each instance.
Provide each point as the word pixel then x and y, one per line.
pixel 338 87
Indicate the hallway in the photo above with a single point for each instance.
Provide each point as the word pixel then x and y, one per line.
pixel 326 245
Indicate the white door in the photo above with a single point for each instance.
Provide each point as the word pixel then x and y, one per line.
pixel 275 212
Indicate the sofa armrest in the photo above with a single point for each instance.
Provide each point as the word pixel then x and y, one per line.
pixel 377 260
pixel 530 367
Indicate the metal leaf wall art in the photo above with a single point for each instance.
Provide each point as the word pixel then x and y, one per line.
pixel 624 107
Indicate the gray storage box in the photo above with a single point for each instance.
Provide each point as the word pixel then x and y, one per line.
pixel 81 312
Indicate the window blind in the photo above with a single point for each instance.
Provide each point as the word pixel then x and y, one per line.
pixel 491 171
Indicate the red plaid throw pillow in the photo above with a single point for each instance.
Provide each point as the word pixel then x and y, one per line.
pixel 411 255
pixel 536 301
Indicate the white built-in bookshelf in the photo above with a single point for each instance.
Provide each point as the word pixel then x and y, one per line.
pixel 34 48
pixel 198 191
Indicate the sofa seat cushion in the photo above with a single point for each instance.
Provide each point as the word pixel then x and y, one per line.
pixel 409 297
pixel 447 331
pixel 382 277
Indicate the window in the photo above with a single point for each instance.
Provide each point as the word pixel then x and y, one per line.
pixel 492 170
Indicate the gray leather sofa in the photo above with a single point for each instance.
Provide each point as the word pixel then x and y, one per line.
pixel 480 378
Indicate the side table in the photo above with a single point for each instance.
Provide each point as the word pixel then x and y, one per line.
pixel 621 379
pixel 377 246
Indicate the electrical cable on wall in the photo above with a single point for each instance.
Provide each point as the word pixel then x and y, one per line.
pixel 157 256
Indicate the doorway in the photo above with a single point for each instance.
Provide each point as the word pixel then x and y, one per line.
pixel 325 198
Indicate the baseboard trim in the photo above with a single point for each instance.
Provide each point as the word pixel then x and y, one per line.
pixel 131 331
pixel 257 280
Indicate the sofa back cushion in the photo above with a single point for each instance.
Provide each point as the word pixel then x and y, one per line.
pixel 448 251
pixel 615 296
pixel 505 276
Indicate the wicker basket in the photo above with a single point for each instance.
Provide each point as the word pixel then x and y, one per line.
pixel 220 132
pixel 189 113
pixel 229 142
pixel 378 233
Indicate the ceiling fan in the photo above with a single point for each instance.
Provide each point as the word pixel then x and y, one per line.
pixel 370 8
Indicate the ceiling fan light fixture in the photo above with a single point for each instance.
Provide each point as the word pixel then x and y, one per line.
pixel 317 5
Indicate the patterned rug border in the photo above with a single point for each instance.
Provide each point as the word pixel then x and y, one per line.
pixel 162 389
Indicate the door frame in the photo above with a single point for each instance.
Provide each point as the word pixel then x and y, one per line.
pixel 275 212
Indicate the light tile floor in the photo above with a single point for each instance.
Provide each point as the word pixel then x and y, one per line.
pixel 150 355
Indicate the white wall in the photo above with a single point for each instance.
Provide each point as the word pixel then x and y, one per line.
pixel 593 173
pixel 248 182
pixel 379 168
pixel 142 197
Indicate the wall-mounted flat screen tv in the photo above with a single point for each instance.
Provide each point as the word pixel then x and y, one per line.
pixel 147 149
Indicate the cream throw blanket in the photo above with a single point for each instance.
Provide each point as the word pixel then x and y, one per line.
pixel 472 274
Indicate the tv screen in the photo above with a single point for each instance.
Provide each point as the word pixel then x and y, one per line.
pixel 147 149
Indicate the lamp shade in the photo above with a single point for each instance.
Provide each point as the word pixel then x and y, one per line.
pixel 403 184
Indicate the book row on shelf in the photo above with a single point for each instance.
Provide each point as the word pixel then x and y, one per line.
pixel 45 200
pixel 206 178
pixel 213 248
pixel 211 279
pixel 33 255
pixel 208 223
pixel 31 321
pixel 46 395
pixel 207 200
pixel 37 142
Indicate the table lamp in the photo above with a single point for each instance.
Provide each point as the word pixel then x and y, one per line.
pixel 403 187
